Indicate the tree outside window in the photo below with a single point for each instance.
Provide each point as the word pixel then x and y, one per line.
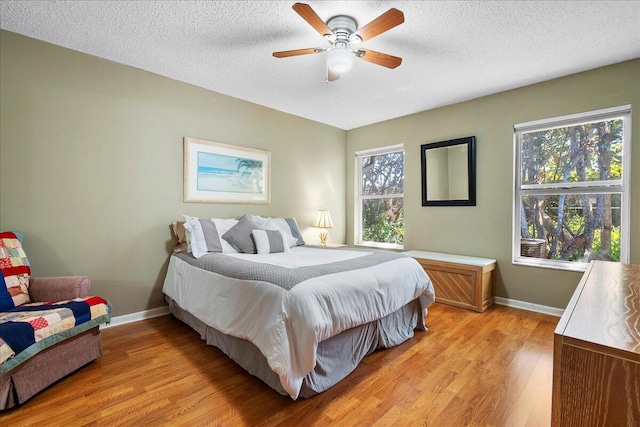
pixel 571 197
pixel 381 197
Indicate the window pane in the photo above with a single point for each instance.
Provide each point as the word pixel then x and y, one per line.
pixel 582 153
pixel 383 220
pixel 571 227
pixel 383 174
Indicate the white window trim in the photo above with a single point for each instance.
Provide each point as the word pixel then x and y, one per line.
pixel 357 232
pixel 599 187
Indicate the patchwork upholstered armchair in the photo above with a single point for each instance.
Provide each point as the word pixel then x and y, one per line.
pixel 49 327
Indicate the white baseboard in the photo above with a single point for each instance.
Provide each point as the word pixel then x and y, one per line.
pixel 134 317
pixel 529 306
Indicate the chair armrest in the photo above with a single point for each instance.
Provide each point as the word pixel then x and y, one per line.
pixel 44 289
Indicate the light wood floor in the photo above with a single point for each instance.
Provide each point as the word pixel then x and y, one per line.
pixel 489 369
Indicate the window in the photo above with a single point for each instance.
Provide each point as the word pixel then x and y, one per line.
pixel 571 201
pixel 379 208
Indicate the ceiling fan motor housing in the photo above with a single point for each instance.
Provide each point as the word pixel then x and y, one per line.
pixel 343 27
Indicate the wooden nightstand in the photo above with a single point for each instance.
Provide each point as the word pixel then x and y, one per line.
pixel 335 245
pixel 461 281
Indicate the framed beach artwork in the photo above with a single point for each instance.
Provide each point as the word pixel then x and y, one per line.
pixel 222 173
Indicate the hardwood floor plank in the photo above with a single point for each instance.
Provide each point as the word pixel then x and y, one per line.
pixel 426 408
pixel 527 412
pixel 491 368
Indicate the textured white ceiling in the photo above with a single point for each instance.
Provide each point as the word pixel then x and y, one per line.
pixel 452 50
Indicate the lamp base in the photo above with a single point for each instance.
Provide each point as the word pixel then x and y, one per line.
pixel 323 237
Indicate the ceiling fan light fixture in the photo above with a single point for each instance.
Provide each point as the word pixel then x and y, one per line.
pixel 339 60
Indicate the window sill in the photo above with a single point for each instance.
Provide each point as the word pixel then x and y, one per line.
pixel 380 245
pixel 550 264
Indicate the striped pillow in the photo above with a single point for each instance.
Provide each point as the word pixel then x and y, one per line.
pixel 202 237
pixel 269 241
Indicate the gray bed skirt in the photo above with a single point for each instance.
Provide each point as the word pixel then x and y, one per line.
pixel 336 357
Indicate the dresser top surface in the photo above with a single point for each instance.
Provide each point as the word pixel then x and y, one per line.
pixel 605 308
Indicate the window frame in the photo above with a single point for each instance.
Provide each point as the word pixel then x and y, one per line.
pixel 621 186
pixel 360 197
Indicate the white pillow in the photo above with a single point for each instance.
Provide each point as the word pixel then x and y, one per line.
pixel 258 220
pixel 187 232
pixel 196 243
pixel 281 225
pixel 269 241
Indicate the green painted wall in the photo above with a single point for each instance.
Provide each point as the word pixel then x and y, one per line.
pixel 91 165
pixel 485 230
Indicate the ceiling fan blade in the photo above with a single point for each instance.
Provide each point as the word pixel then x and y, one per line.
pixel 296 52
pixel 309 15
pixel 378 58
pixel 331 76
pixel 391 18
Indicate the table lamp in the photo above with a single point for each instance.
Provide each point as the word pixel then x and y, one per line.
pixel 323 220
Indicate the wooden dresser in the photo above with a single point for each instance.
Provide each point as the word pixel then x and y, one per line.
pixel 596 350
pixel 461 281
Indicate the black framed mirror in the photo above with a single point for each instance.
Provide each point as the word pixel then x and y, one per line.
pixel 449 172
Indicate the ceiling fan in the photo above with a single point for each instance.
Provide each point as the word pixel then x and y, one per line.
pixel 342 32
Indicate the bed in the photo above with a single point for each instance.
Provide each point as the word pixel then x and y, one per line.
pixel 300 320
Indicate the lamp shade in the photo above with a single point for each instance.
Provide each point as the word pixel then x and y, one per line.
pixel 323 220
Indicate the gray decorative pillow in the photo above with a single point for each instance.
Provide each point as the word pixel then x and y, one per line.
pixel 239 236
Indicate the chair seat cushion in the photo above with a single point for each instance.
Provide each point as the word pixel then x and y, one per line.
pixel 30 328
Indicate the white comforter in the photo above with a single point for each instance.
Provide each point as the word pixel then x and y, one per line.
pixel 288 325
